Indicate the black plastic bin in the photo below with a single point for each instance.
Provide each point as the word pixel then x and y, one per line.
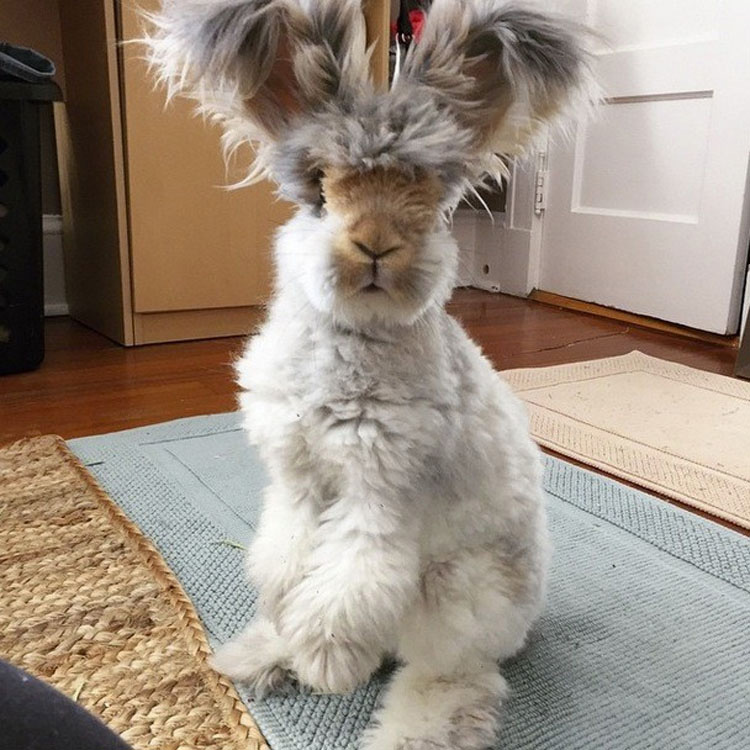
pixel 21 280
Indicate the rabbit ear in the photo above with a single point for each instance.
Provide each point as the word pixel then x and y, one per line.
pixel 255 65
pixel 501 68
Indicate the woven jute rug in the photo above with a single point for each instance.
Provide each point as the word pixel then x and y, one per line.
pixel 88 605
pixel 680 431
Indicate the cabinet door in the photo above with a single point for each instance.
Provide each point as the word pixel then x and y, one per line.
pixel 194 244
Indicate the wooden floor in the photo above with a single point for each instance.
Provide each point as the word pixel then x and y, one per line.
pixel 88 385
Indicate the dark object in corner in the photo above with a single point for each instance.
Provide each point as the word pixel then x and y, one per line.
pixel 21 280
pixel 35 716
pixel 742 368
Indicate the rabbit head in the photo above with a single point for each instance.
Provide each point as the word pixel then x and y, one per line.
pixel 375 173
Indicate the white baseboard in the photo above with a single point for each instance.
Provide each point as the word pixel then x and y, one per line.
pixel 487 253
pixel 55 301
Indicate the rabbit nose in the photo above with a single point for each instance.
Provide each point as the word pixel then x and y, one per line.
pixel 374 254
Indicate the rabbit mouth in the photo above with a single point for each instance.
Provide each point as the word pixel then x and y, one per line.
pixel 371 288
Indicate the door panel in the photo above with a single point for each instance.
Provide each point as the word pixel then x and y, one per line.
pixel 643 142
pixel 646 205
pixel 645 23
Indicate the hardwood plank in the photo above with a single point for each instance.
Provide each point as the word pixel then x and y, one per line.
pixel 88 384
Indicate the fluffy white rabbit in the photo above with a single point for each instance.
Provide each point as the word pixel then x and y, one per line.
pixel 405 514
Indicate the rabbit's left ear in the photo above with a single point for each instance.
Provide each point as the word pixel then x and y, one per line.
pixel 258 65
pixel 501 69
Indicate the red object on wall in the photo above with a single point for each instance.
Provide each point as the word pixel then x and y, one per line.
pixel 417 18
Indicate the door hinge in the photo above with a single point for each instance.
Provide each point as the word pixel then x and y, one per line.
pixel 540 191
pixel 540 183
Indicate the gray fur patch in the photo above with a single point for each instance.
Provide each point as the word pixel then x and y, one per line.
pixel 403 129
pixel 256 65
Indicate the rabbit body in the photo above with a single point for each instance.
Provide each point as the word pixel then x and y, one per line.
pixel 404 514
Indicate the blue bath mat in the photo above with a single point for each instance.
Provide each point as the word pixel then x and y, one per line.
pixel 645 642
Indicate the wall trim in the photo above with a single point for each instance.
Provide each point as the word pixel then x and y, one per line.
pixel 464 231
pixel 645 321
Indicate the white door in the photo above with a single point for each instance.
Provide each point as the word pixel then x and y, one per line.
pixel 647 207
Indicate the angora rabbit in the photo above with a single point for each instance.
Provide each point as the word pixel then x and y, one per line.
pixel 405 514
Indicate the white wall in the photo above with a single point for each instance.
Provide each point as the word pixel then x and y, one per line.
pixel 465 233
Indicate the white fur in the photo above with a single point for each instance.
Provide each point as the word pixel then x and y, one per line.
pixel 405 512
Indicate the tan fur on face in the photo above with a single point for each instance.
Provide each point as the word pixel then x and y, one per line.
pixel 387 211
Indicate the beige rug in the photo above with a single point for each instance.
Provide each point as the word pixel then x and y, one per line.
pixel 88 605
pixel 682 432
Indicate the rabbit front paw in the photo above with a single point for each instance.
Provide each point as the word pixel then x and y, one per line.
pixel 331 666
pixel 256 657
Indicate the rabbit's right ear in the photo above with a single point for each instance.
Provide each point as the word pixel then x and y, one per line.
pixel 502 69
pixel 256 65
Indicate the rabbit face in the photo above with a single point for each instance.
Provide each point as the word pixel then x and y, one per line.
pixel 378 250
pixel 383 219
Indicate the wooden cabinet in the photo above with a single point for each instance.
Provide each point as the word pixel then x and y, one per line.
pixel 157 249
pixel 195 244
